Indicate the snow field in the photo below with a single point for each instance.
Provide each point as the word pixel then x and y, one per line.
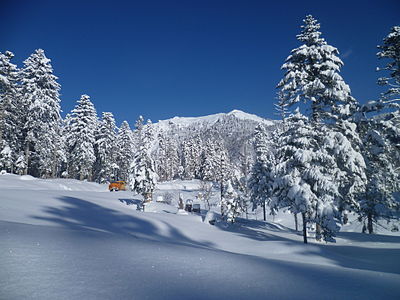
pixel 67 239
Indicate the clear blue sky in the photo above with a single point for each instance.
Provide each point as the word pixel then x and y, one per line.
pixel 188 58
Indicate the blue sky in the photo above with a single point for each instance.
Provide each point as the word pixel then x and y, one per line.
pixel 188 58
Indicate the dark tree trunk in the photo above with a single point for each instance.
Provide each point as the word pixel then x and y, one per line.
pixel 303 215
pixel 27 154
pixel 296 224
pixel 264 212
pixel 369 224
pixel 318 234
pixel 221 187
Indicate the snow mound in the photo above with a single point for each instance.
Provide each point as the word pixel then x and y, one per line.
pixel 27 182
pixel 27 177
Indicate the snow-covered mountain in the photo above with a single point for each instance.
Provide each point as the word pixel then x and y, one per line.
pixel 210 120
pixel 235 129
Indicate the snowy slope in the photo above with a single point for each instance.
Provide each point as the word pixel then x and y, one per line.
pixel 64 239
pixel 211 119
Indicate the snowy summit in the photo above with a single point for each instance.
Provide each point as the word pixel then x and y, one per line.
pixel 212 119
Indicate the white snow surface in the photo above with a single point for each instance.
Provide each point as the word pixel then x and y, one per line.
pixel 66 239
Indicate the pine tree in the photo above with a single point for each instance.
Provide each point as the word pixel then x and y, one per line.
pixel 142 177
pixel 216 165
pixel 124 152
pixel 230 205
pixel 383 177
pixel 43 121
pixel 261 180
pixel 83 125
pixel 390 49
pixel 240 184
pixel 306 176
pixel 192 151
pixel 188 161
pixel 105 166
pixel 167 158
pixel 10 113
pixel 173 158
pixel 379 127
pixel 209 162
pixel 137 134
pixel 312 76
pixel 224 166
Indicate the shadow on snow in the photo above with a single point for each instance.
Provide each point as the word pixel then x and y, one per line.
pixel 81 214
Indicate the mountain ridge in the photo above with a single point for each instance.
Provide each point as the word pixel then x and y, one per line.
pixel 213 118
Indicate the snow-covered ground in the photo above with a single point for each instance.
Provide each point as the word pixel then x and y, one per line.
pixel 65 239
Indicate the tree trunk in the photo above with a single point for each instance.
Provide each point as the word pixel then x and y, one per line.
pixel 26 158
pixel 264 211
pixel 303 215
pixel 221 189
pixel 318 235
pixel 345 218
pixel 369 224
pixel 296 224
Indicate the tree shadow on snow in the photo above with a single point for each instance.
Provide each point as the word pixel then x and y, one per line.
pixel 130 201
pixel 253 229
pixel 363 237
pixel 84 215
pixel 348 256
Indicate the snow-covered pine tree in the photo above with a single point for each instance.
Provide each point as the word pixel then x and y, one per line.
pixel 305 176
pixel 167 157
pixel 143 177
pixel 187 159
pixel 230 205
pixel 137 134
pixel 10 113
pixel 216 165
pixel 209 162
pixel 312 76
pixel 224 167
pixel 42 128
pixel 105 166
pixel 391 98
pixel 173 158
pixel 139 123
pixel 240 184
pixel 124 151
pixel 379 127
pixel 390 49
pixel 344 144
pixel 261 177
pixel 160 157
pixel 83 125
pixel 192 157
pixel 381 156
